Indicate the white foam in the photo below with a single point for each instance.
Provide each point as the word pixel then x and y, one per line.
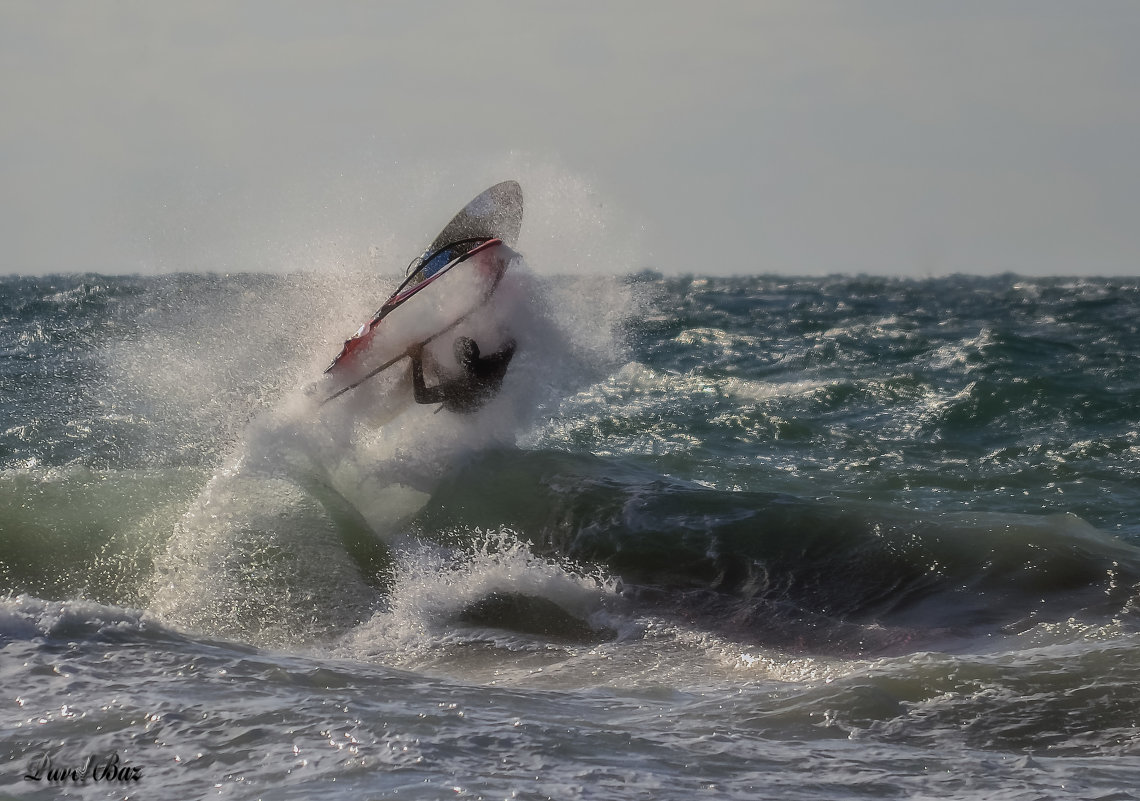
pixel 24 617
pixel 259 554
pixel 432 585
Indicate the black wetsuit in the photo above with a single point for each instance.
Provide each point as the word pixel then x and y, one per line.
pixel 480 381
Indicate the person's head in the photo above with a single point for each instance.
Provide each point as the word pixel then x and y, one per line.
pixel 466 351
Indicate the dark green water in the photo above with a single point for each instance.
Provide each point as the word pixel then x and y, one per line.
pixel 742 537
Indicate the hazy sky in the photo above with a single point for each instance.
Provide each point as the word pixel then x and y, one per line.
pixel 738 136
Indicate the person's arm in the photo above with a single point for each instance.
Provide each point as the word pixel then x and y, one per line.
pixel 423 393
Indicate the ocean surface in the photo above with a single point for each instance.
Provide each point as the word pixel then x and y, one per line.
pixel 739 538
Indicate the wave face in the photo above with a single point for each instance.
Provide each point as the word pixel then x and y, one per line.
pixel 885 521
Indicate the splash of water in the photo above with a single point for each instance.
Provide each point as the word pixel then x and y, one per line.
pixel 290 539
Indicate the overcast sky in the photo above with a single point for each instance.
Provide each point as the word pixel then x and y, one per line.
pixel 739 136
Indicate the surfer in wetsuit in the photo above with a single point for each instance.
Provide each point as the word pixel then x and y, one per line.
pixel 480 380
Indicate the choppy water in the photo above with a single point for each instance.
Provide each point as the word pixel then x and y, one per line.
pixel 725 538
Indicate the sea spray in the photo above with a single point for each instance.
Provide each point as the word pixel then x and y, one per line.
pixel 288 541
pixel 257 556
pixel 434 588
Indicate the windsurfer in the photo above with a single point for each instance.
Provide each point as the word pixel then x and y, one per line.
pixel 480 379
